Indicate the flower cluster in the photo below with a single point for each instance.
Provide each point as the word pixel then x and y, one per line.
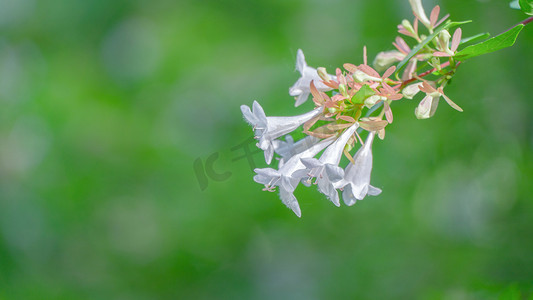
pixel 353 101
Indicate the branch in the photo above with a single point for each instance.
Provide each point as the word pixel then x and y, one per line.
pixel 528 20
pixel 444 65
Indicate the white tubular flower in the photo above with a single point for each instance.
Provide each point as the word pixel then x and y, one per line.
pixel 356 181
pixel 386 58
pixel 284 177
pixel 301 88
pixel 288 148
pixel 330 158
pixel 267 129
pixel 427 107
pixel 418 10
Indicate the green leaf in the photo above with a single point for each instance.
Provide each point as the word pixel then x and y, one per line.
pixel 496 43
pixel 419 47
pixel 475 38
pixel 526 6
pixel 364 92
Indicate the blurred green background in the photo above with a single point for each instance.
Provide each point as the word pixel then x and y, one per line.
pixel 106 106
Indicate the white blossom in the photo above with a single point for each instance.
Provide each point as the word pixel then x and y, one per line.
pixel 284 179
pixel 301 88
pixel 267 129
pixel 356 178
pixel 331 158
pixel 288 148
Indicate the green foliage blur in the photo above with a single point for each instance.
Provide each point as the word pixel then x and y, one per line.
pixel 107 108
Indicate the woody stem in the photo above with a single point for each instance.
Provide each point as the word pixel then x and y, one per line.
pixel 444 65
pixel 528 20
pixel 525 22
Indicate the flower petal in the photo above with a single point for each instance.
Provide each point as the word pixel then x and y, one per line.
pixel 258 110
pixel 451 103
pixel 441 54
pixel 335 173
pixel 434 15
pixel 456 39
pixel 422 111
pixel 348 196
pixel 373 191
pixel 300 61
pixel 300 99
pixel 290 201
pixel 248 116
pixel 310 162
pixel 389 72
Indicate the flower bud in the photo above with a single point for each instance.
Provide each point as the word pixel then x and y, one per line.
pixel 443 41
pixel 418 10
pixel 427 107
pixel 323 74
pixel 435 63
pixel 409 70
pixel 348 147
pixel 332 110
pixel 342 90
pixel 386 58
pixel 372 100
pixel 411 90
pixel 361 76
pixel 407 25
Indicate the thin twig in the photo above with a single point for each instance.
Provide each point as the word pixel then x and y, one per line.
pixel 444 65
pixel 528 20
pixel 525 22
